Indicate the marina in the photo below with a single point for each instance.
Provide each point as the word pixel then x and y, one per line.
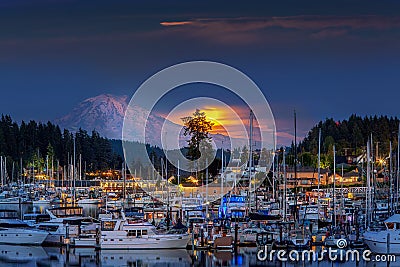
pixel 228 220
pixel 231 218
pixel 199 133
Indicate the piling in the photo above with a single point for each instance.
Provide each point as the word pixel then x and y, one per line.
pixel 236 236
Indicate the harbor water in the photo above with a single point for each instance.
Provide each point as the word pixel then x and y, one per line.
pixel 30 256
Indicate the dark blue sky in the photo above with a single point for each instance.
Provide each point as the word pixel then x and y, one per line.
pixel 322 58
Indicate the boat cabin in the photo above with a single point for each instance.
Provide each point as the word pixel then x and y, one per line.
pixel 393 223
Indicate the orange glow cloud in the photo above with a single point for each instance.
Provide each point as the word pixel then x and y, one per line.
pixel 220 116
pixel 175 23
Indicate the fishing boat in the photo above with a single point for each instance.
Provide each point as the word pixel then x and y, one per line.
pixel 125 233
pixel 384 240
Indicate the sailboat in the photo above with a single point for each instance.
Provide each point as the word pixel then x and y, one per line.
pixel 336 239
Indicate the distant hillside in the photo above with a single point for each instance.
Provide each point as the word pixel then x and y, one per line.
pixel 351 136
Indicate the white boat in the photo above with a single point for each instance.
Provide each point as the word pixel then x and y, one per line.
pixel 85 240
pixel 377 241
pixel 68 222
pixel 14 231
pixel 89 201
pixel 41 201
pixel 57 230
pixel 124 233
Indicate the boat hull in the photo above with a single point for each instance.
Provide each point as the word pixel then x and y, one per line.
pixel 377 242
pixel 17 236
pixel 151 242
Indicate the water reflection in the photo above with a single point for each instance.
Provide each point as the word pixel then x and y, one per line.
pixel 29 256
pixel 26 256
pixel 148 258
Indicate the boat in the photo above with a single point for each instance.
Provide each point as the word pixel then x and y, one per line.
pixel 85 240
pixel 222 241
pixel 385 241
pixel 263 216
pixel 65 222
pixel 126 233
pixel 89 236
pixel 299 239
pixel 308 213
pixel 89 201
pixel 249 235
pixel 41 201
pixel 15 231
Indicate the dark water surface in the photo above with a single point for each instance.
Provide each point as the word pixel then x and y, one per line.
pixel 26 256
pixel 32 256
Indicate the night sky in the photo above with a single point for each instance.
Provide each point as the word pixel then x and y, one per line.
pixel 322 58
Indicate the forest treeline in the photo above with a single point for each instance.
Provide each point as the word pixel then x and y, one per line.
pixel 350 138
pixel 37 143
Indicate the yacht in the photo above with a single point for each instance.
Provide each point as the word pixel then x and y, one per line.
pixel 125 233
pixel 15 231
pixel 65 222
pixel 377 241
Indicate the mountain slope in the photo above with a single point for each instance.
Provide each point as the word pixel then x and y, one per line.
pixel 105 114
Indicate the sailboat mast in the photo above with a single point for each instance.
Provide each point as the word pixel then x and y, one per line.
pixel 368 193
pixel 334 186
pixel 391 180
pixel 73 169
pixel 295 165
pixel 124 177
pixel 319 168
pixel 251 156
pixel 284 185
pixel 206 187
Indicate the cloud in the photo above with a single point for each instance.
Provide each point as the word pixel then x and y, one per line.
pixel 247 29
pixel 175 23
